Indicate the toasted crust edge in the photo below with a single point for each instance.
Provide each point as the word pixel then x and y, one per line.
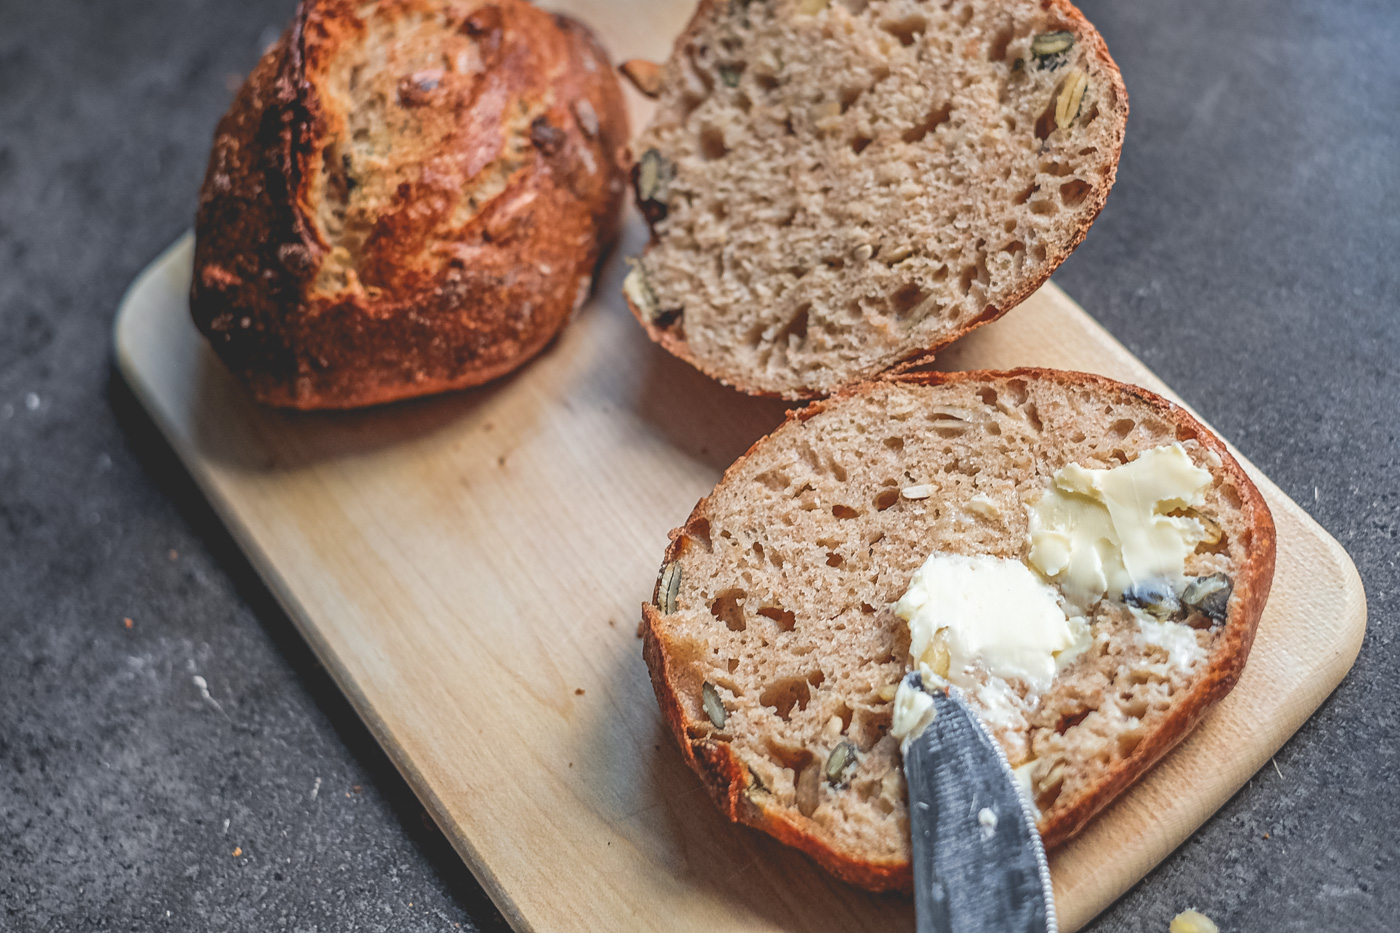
pixel 725 777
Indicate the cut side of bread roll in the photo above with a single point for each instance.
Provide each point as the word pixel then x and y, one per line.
pixel 774 642
pixel 839 188
pixel 407 196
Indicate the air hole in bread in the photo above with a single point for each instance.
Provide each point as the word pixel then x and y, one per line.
pixel 936 118
pixel 1135 707
pixel 691 103
pixel 1033 417
pixel 1039 252
pixel 886 499
pixel 1070 720
pixel 1231 494
pixel 996 50
pixel 906 29
pixel 1045 123
pixel 1057 169
pixel 966 278
pixel 787 620
pixel 786 695
pixel 786 755
pixel 795 331
pixel 1044 207
pixel 1073 192
pixel 712 144
pixel 965 15
pixel 849 95
pixel 1128 740
pixel 699 530
pixel 859 143
pixel 728 610
pixel 834 560
pixel 1120 429
pixel 1025 195
pixel 906 299
pixel 895 442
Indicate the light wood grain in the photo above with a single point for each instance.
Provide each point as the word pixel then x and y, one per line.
pixel 470 569
pixel 464 565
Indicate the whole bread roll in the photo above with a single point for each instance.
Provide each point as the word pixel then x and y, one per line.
pixel 407 196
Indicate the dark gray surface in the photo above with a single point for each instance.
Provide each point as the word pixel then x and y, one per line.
pixel 1248 255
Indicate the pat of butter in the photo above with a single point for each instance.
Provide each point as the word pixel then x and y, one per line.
pixel 990 614
pixel 1104 532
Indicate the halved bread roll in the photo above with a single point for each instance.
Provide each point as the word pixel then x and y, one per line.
pixel 775 646
pixel 839 188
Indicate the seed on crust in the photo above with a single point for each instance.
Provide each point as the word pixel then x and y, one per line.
pixel 840 760
pixel 669 587
pixel 1052 43
pixel 714 706
pixel 1071 97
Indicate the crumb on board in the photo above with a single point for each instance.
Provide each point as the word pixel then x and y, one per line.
pixel 578 691
pixel 237 851
pixel 127 622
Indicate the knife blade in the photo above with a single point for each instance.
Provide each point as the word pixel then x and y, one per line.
pixel 979 866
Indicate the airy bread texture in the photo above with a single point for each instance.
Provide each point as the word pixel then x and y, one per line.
pixel 772 641
pixel 836 188
pixel 407 196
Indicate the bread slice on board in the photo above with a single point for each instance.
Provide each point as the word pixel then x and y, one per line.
pixel 772 640
pixel 838 188
pixel 407 196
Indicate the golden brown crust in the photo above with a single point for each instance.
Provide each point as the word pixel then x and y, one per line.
pixel 729 782
pixel 367 234
pixel 1071 19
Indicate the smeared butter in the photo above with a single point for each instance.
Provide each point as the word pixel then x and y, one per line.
pixel 988 613
pixel 1099 533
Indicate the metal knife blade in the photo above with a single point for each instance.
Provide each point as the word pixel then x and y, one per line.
pixel 979 866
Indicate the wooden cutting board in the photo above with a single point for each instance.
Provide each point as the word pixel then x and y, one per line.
pixel 470 569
